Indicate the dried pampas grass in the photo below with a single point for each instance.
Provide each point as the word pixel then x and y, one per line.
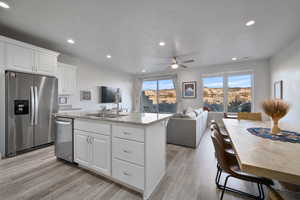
pixel 276 109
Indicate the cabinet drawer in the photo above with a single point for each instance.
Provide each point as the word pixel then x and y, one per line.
pixel 128 150
pixel 129 133
pixel 92 126
pixel 128 173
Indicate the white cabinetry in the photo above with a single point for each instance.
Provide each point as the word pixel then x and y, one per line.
pixel 81 148
pixel 19 58
pixel 45 62
pixel 133 155
pixel 67 79
pixel 1 55
pixel 92 149
pixel 24 57
pixel 100 153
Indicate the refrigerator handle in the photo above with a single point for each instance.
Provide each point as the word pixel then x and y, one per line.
pixel 32 106
pixel 36 108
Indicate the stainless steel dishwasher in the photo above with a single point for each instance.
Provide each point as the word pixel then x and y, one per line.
pixel 64 139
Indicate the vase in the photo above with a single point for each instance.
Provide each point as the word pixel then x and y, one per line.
pixel 275 128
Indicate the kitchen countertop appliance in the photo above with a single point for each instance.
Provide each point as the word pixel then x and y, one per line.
pixel 31 101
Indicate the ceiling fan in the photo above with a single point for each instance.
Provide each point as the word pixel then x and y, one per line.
pixel 176 64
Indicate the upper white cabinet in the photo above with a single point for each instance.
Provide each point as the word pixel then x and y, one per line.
pixel 24 57
pixel 67 79
pixel 20 58
pixel 1 55
pixel 45 62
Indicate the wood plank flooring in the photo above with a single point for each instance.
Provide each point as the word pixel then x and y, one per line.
pixel 39 175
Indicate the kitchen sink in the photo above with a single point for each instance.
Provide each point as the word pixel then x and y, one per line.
pixel 105 115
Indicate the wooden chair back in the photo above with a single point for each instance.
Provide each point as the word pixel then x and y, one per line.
pixel 273 195
pixel 249 116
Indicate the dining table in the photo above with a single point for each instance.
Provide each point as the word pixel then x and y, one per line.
pixel 264 157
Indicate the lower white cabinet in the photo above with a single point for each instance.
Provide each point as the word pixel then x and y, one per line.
pixel 100 153
pixel 81 148
pixel 132 155
pixel 93 151
pixel 128 173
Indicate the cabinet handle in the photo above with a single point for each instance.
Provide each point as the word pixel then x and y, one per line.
pixel 91 140
pixel 127 133
pixel 87 139
pixel 126 151
pixel 126 173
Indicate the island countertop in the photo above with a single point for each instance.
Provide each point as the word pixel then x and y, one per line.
pixel 131 118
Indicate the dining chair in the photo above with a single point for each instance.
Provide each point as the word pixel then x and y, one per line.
pixel 249 116
pixel 273 194
pixel 229 164
pixel 215 126
pixel 224 133
pixel 228 148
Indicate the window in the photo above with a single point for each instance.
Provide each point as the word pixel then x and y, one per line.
pixel 213 93
pixel 239 93
pixel 232 90
pixel 158 96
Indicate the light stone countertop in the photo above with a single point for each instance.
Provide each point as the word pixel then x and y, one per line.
pixel 131 118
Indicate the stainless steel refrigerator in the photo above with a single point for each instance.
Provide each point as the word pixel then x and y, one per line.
pixel 31 101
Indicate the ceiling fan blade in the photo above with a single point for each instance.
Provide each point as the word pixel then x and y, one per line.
pixel 183 66
pixel 188 61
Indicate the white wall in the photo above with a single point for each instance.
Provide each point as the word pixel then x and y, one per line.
pixel 285 66
pixel 261 79
pixel 90 76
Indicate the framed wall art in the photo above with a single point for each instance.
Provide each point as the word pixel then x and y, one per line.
pixel 189 89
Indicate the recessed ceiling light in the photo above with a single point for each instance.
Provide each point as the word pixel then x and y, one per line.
pixel 71 41
pixel 250 23
pixel 143 70
pixel 3 4
pixel 234 59
pixel 174 66
pixel 108 56
pixel 162 44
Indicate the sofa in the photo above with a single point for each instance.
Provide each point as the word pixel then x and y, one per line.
pixel 187 129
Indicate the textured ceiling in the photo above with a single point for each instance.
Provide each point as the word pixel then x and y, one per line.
pixel 209 31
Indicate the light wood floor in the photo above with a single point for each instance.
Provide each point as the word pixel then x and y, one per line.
pixel 38 175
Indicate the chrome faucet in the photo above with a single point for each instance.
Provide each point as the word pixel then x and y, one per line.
pixel 118 96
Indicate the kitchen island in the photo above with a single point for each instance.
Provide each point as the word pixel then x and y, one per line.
pixel 129 149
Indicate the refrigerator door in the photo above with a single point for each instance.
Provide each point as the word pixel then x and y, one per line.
pixel 19 112
pixel 46 105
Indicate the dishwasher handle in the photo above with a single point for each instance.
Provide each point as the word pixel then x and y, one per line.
pixel 63 122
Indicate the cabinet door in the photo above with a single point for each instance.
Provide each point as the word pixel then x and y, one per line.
pixel 1 55
pixel 20 58
pixel 81 148
pixel 101 154
pixel 46 63
pixel 67 79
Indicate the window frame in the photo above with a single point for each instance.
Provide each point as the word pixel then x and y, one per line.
pixel 225 76
pixel 157 91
